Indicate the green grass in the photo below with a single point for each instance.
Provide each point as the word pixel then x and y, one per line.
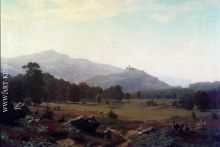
pixel 160 101
pixel 134 110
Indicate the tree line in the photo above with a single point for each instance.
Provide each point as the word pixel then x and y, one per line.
pixel 188 98
pixel 36 86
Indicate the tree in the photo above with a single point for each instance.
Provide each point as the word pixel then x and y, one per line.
pixel 35 83
pixel 117 93
pixel 62 91
pixel 202 100
pixel 50 86
pixel 95 93
pixel 114 92
pixel 139 94
pixel 98 98
pixel 74 93
pixel 186 102
pixel 127 95
pixel 84 90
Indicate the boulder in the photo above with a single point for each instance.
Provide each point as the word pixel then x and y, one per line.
pixel 83 123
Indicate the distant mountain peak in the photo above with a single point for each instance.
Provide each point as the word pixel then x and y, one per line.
pixel 77 70
pixel 60 65
pixel 50 51
pixel 131 80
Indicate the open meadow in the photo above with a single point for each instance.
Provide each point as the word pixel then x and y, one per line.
pixel 135 109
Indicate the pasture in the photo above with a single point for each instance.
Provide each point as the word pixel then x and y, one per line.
pixel 129 110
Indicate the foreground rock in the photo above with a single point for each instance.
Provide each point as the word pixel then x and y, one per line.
pixel 83 123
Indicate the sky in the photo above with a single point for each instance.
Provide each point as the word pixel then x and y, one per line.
pixel 175 38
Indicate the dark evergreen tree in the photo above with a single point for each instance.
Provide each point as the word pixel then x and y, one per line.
pixel 35 83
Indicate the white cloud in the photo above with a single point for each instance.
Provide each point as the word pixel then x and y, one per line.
pixel 86 10
pixel 66 10
pixel 167 13
pixel 163 17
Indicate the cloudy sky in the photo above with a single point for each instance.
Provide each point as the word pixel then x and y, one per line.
pixel 177 38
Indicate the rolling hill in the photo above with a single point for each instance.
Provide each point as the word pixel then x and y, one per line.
pixel 81 70
pixel 131 80
pixel 60 65
pixel 206 86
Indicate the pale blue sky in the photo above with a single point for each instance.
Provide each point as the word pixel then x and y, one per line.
pixel 179 38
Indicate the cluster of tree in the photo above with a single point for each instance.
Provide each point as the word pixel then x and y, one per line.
pixel 203 100
pixel 36 86
pixel 187 97
pixel 165 93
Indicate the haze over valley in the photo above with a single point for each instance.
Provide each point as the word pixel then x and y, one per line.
pixel 110 73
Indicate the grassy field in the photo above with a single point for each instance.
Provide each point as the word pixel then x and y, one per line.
pixel 133 110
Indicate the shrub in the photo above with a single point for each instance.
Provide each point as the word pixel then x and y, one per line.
pixel 111 119
pixel 112 115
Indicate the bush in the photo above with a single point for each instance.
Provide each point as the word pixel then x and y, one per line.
pixel 112 115
pixel 115 124
pixel 111 119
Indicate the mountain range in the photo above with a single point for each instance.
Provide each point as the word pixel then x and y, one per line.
pixel 83 70
pixel 205 86
pixel 130 79
pixel 60 65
